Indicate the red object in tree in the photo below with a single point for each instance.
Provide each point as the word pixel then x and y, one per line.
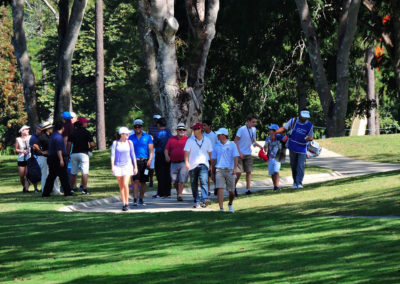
pixel 386 20
pixel 378 55
pixel 262 155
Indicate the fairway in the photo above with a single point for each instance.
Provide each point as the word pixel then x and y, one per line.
pixel 287 237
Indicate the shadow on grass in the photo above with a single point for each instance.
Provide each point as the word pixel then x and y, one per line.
pixel 201 247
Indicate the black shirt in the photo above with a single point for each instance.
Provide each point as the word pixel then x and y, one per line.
pixel 80 138
pixel 43 142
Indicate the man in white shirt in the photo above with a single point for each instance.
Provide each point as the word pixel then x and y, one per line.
pixel 198 151
pixel 224 161
pixel 245 137
pixel 210 134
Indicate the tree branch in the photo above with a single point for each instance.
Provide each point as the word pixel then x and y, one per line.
pixel 52 10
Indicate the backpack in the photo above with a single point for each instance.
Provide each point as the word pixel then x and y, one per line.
pixel 34 172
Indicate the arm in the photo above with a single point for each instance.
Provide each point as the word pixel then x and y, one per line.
pixel 256 144
pixel 151 155
pixel 235 163
pixel 167 157
pixel 280 130
pixel 213 163
pixel 113 156
pixel 18 150
pixel 91 146
pixel 133 157
pixel 60 156
pixel 69 148
pixel 237 138
pixel 187 160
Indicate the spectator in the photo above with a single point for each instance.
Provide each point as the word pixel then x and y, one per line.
pixel 300 132
pixel 224 160
pixel 143 144
pixel 197 156
pixel 57 162
pixel 81 142
pixel 68 126
pixel 23 151
pixel 153 130
pixel 161 165
pixel 74 118
pixel 210 134
pixel 35 150
pixel 43 143
pixel 174 153
pixel 123 164
pixel 245 138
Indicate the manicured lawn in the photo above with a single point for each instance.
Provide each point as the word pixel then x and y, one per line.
pixel 286 237
pixel 382 148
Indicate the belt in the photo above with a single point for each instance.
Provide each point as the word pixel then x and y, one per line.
pixel 225 169
pixel 177 162
pixel 142 159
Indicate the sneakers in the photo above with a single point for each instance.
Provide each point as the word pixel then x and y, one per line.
pixel 230 208
pixel 134 202
pixel 276 188
pixel 141 202
pixel 196 205
pixel 125 208
pixel 294 186
pixel 84 191
pixel 206 202
pixel 248 192
pixel 221 209
pixel 36 191
pixel 299 186
pixel 156 196
pixel 236 193
pixel 166 196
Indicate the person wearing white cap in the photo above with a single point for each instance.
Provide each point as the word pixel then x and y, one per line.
pixel 74 118
pixel 123 164
pixel 300 132
pixel 23 150
pixel 224 161
pixel 144 154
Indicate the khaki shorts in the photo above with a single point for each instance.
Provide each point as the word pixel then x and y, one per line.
pixel 79 162
pixel 225 177
pixel 245 165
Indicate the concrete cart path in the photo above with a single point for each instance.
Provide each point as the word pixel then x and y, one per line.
pixel 342 167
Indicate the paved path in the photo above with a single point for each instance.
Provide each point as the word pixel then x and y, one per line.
pixel 342 167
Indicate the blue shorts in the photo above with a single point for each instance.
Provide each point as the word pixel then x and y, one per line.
pixel 273 166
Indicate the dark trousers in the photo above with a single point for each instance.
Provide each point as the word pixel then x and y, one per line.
pixel 163 175
pixel 56 171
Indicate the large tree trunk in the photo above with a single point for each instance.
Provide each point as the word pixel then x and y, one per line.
pixel 100 115
pixel 370 76
pixel 24 66
pixel 63 97
pixel 181 90
pixel 395 17
pixel 334 112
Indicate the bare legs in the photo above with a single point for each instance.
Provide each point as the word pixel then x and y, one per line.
pixel 22 171
pixel 136 189
pixel 221 197
pixel 123 183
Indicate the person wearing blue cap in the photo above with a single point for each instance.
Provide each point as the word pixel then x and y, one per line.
pixel 275 150
pixel 68 126
pixel 300 132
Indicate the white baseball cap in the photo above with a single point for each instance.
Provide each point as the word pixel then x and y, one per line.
pixel 305 114
pixel 23 128
pixel 73 114
pixel 181 125
pixel 223 131
pixel 138 122
pixel 124 130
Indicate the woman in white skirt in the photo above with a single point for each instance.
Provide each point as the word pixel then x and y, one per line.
pixel 123 164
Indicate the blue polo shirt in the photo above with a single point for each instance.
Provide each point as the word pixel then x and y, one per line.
pixel 141 145
pixel 161 140
pixel 56 143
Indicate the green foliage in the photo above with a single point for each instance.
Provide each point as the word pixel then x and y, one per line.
pixel 12 114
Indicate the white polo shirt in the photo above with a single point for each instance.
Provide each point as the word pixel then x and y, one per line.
pixel 247 138
pixel 225 155
pixel 198 151
pixel 212 136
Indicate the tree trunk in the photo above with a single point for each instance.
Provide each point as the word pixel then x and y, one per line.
pixel 100 115
pixel 180 90
pixel 63 97
pixel 24 66
pixel 370 76
pixel 395 17
pixel 377 123
pixel 334 112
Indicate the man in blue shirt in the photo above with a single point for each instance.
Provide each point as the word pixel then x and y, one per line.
pixel 301 132
pixel 162 167
pixel 143 144
pixel 57 161
pixel 224 161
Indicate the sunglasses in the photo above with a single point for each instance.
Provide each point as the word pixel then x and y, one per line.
pixel 181 129
pixel 138 126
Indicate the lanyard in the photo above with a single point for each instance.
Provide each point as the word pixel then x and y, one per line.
pixel 199 145
pixel 250 134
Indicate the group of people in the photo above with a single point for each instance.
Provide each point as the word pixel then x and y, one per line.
pixel 55 146
pixel 203 156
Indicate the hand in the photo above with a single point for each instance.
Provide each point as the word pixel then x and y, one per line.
pixel 167 159
pixel 308 138
pixel 135 171
pixel 148 163
pixel 62 163
pixel 241 156
pixel 112 170
pixel 187 166
pixel 234 172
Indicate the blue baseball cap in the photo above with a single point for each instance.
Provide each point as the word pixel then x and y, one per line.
pixel 66 115
pixel 273 127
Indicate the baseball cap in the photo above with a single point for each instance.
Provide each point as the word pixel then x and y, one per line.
pixel 305 114
pixel 23 128
pixel 47 125
pixel 73 114
pixel 66 115
pixel 157 116
pixel 39 126
pixel 273 127
pixel 181 125
pixel 198 125
pixel 223 131
pixel 83 120
pixel 124 130
pixel 138 122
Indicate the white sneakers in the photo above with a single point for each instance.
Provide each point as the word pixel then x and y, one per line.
pixel 230 207
pixel 297 186
pixel 294 186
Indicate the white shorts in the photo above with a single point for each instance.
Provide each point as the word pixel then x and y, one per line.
pixel 79 162
pixel 126 170
pixel 273 166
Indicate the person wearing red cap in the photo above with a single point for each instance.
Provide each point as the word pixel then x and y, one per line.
pixel 198 151
pixel 81 142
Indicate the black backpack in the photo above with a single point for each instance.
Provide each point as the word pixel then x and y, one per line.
pixel 34 173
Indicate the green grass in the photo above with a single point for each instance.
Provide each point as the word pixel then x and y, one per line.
pixel 286 237
pixel 382 148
